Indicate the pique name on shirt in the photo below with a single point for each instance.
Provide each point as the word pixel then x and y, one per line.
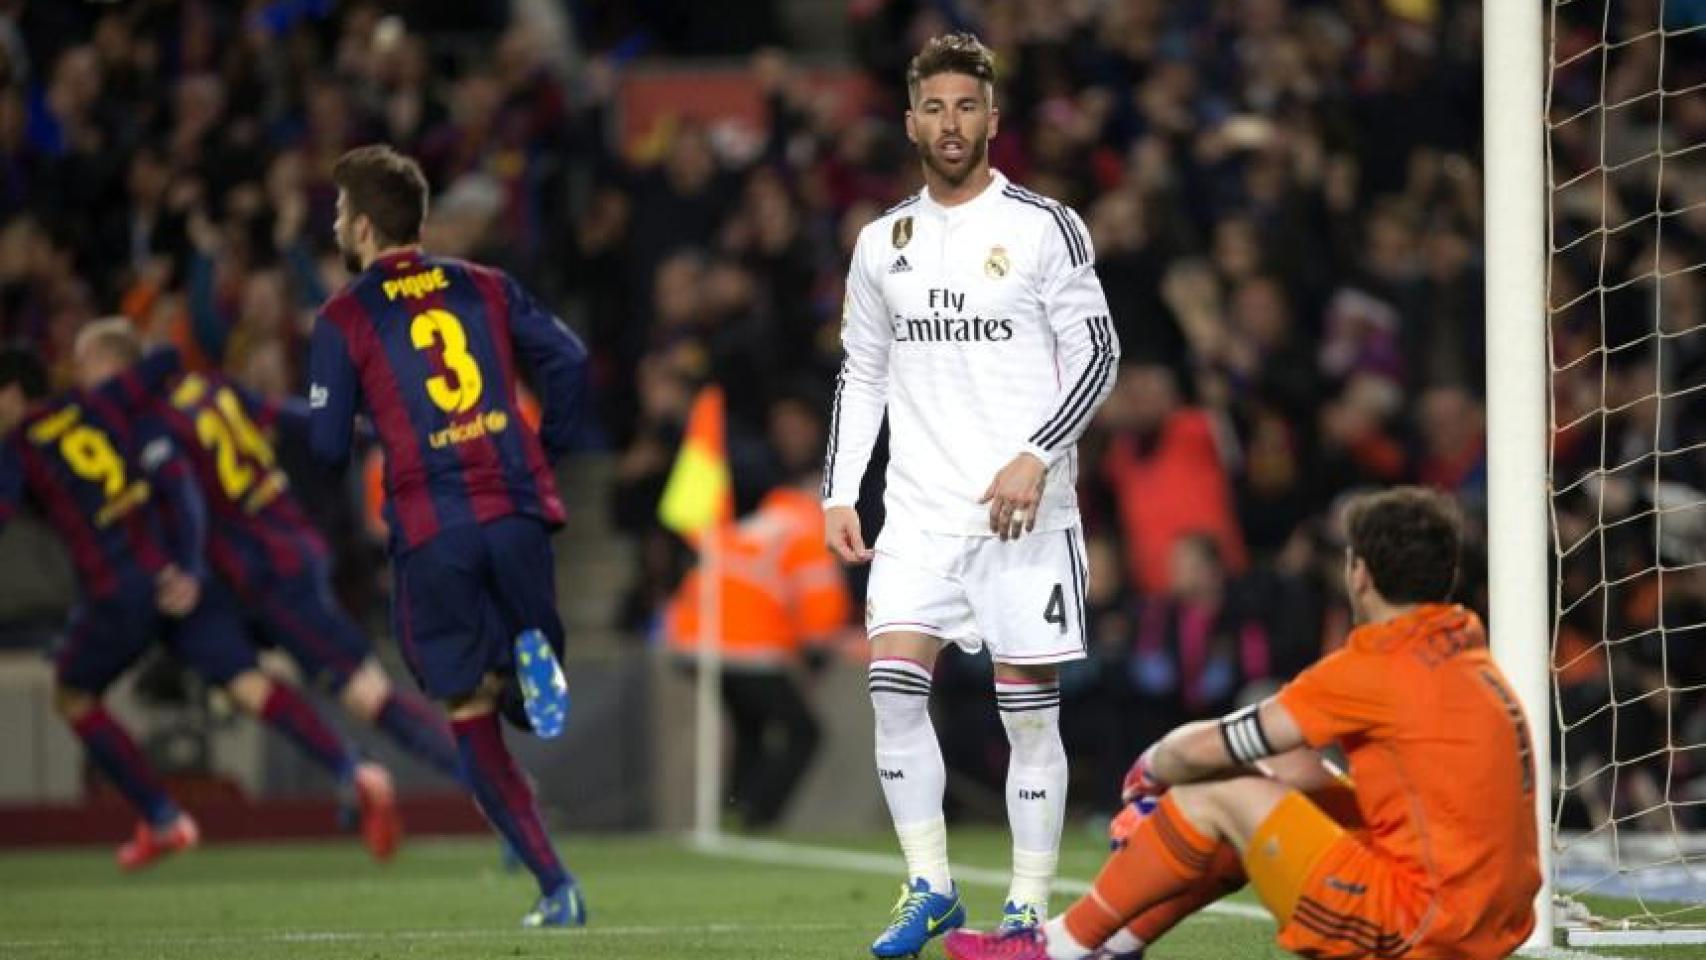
pixel 416 285
pixel 940 329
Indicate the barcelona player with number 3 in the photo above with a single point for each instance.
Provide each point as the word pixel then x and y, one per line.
pixel 427 347
pixel 111 482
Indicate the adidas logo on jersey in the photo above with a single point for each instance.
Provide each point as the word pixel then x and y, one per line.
pixel 900 265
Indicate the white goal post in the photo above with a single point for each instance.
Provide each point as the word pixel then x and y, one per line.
pixel 1514 68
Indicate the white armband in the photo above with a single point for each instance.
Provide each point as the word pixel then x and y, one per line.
pixel 1241 731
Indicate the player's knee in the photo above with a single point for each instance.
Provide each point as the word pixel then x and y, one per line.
pixel 73 704
pixel 365 692
pixel 1027 673
pixel 900 717
pixel 481 701
pixel 250 690
pixel 1033 738
pixel 1203 804
pixel 1229 809
pixel 916 647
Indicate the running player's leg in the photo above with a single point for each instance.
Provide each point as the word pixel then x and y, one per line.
pixel 301 616
pixel 523 585
pixel 212 639
pixel 102 641
pixel 457 636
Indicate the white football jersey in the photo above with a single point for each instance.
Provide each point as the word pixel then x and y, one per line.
pixel 982 329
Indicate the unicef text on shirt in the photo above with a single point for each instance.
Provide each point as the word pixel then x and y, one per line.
pixel 952 329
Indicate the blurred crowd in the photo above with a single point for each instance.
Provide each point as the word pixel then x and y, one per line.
pixel 1285 199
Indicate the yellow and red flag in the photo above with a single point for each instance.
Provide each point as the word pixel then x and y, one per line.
pixel 698 496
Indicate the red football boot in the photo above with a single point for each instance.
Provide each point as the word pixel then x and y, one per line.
pixel 149 843
pixel 381 827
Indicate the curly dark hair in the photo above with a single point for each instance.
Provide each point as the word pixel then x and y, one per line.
pixel 951 53
pixel 1410 538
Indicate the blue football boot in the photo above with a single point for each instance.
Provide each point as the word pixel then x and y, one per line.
pixel 1016 917
pixel 919 915
pixel 544 692
pixel 563 907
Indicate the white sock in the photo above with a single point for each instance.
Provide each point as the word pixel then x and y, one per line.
pixel 909 766
pixel 1060 944
pixel 1123 942
pixel 925 847
pixel 1036 785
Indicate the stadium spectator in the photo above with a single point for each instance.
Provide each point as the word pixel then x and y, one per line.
pixel 783 601
pixel 1167 475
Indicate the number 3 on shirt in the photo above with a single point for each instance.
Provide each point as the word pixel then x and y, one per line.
pixel 460 391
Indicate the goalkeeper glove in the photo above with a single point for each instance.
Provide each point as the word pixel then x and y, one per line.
pixel 1125 823
pixel 1140 780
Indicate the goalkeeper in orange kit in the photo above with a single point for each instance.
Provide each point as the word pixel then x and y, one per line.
pixel 1439 857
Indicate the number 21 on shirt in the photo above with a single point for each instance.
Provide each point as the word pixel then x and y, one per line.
pixel 241 453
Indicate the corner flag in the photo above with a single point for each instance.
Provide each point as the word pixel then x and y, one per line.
pixel 698 495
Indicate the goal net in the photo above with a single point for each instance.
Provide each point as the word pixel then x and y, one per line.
pixel 1626 287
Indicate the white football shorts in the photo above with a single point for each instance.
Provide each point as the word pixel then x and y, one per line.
pixel 1022 598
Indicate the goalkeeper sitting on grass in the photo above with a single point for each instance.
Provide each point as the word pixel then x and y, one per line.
pixel 1439 858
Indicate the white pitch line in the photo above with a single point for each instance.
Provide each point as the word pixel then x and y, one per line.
pixel 347 936
pixel 784 853
pixel 1563 953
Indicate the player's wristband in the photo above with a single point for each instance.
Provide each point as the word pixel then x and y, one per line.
pixel 1241 731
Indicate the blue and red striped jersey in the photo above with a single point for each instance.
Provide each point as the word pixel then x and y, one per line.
pixel 258 533
pixel 427 348
pixel 108 482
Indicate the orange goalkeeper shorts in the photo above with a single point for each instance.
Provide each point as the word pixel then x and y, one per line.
pixel 1335 897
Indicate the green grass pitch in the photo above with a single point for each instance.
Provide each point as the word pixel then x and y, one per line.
pixel 651 897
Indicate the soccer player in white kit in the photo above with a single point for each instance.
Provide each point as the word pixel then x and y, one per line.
pixel 975 319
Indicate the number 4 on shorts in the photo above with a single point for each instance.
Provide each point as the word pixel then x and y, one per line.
pixel 1055 612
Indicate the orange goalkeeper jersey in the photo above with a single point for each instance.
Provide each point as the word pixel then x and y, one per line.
pixel 1444 770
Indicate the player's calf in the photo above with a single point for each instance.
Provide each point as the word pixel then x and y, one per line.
pixel 503 793
pixel 365 691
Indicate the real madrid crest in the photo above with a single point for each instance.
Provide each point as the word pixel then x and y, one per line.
pixel 902 232
pixel 997 265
